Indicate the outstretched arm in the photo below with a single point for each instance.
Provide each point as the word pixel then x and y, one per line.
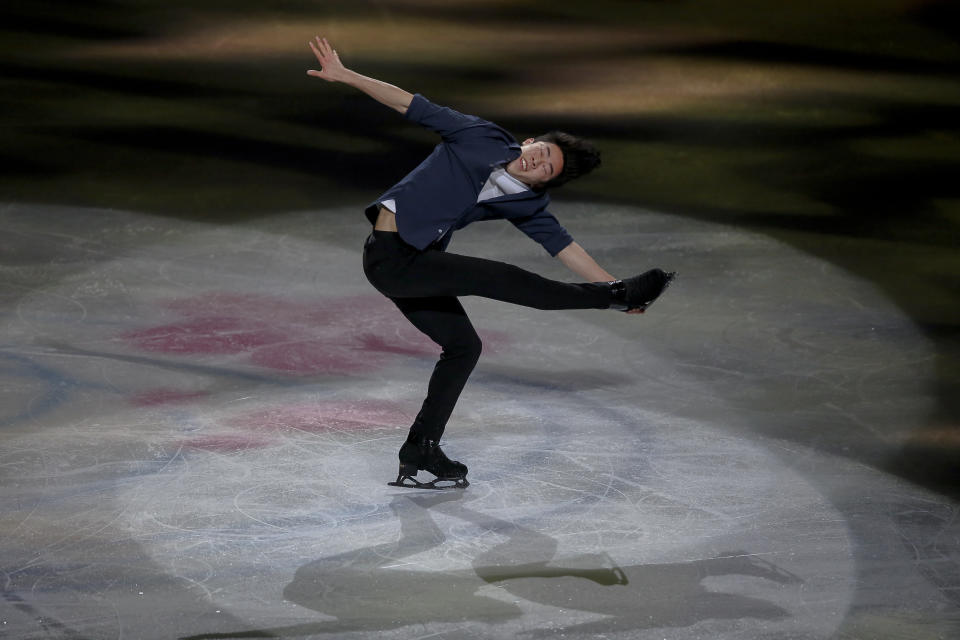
pixel 332 70
pixel 575 258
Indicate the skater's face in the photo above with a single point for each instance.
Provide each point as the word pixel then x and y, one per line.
pixel 538 163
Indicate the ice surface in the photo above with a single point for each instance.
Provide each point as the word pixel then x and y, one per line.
pixel 198 421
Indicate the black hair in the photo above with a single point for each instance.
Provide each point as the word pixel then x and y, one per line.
pixel 579 156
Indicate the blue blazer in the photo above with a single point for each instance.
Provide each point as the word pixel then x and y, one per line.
pixel 440 195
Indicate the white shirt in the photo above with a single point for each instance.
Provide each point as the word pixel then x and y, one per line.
pixel 500 183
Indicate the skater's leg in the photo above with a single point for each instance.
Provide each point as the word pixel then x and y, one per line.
pixel 401 271
pixel 445 322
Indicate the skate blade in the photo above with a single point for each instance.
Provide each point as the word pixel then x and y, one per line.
pixel 401 481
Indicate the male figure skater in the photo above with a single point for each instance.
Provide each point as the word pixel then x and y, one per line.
pixel 477 172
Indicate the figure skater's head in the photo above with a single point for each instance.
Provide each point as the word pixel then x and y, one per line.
pixel 553 159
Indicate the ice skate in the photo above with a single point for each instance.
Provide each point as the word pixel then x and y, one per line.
pixel 639 292
pixel 421 453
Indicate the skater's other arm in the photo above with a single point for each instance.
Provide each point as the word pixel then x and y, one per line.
pixel 579 261
pixel 332 70
pixel 575 258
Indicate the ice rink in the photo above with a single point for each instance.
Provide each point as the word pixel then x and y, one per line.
pixel 198 422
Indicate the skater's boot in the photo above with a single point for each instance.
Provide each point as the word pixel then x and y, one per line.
pixel 420 452
pixel 437 463
pixel 639 292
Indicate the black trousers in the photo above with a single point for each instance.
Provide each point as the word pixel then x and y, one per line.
pixel 425 284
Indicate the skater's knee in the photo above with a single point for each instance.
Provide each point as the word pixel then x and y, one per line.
pixel 472 347
pixel 475 347
pixel 466 346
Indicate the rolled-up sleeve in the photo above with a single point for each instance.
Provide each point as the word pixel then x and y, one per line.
pixel 543 228
pixel 443 120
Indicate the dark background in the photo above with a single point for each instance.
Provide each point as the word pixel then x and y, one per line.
pixel 829 125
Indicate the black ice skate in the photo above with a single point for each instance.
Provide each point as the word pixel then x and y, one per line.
pixel 420 452
pixel 640 291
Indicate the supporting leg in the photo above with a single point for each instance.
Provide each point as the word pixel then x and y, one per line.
pixel 447 324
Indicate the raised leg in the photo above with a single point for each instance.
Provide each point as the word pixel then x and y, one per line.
pixel 400 271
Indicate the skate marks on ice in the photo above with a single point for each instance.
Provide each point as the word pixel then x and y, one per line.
pixel 379 587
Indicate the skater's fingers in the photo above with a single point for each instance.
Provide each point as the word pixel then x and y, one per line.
pixel 325 53
pixel 320 46
pixel 331 52
pixel 316 51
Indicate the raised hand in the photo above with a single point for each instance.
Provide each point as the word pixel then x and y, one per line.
pixel 331 69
